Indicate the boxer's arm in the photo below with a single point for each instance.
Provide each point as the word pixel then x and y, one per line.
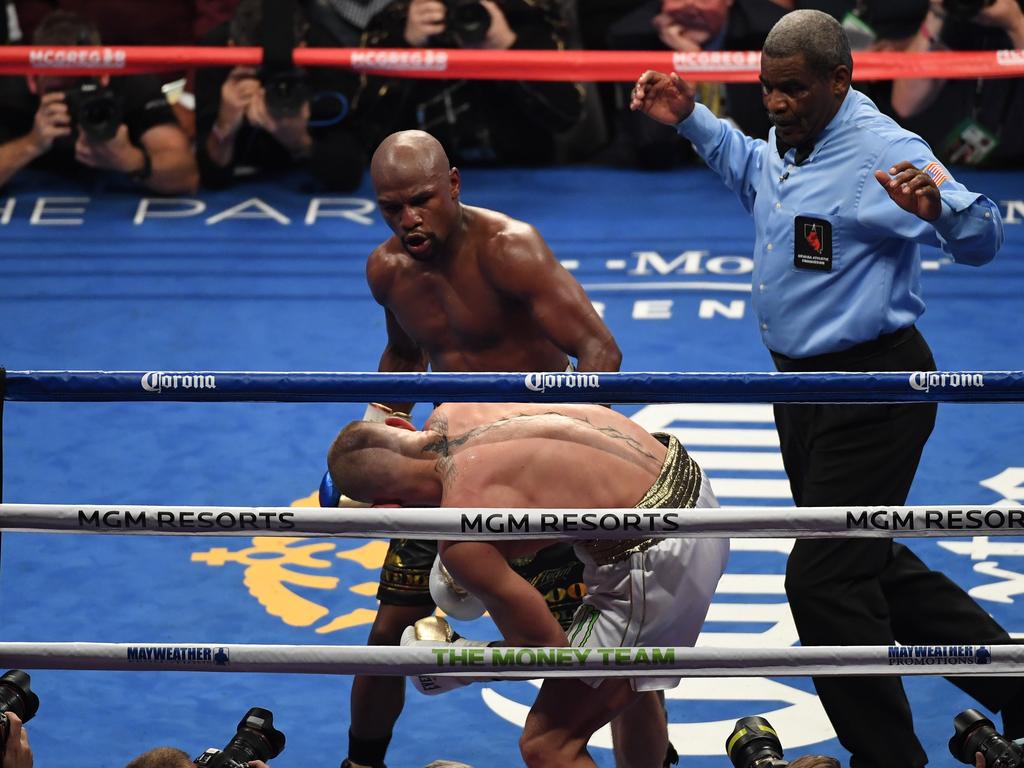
pixel 401 355
pixel 522 267
pixel 401 352
pixel 517 608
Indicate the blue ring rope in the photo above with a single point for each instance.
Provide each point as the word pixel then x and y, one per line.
pixel 219 386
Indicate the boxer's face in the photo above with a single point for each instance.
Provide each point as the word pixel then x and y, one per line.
pixel 421 211
pixel 800 101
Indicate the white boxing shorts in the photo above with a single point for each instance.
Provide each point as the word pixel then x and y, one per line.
pixel 651 592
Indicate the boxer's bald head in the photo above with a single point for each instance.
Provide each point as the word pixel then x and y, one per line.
pixel 378 463
pixel 417 191
pixel 411 154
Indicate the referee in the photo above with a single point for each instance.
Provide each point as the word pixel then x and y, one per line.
pixel 841 198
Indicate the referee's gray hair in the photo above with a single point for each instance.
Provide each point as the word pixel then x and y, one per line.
pixel 816 35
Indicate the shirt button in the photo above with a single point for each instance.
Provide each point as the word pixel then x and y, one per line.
pixel 764 326
pixel 761 287
pixel 778 205
pixel 988 214
pixel 770 246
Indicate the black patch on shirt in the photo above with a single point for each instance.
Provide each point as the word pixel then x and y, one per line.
pixel 812 244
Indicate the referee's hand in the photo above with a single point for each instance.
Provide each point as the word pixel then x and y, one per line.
pixel 665 98
pixel 912 190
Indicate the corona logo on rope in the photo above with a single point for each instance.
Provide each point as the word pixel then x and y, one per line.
pixel 158 381
pixel 276 567
pixel 539 382
pixel 923 381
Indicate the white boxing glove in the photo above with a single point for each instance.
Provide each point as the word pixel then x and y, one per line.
pixel 433 632
pixel 450 597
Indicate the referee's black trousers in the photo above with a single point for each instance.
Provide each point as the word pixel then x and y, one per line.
pixel 874 591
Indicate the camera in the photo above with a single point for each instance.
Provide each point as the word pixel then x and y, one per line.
pixel 95 109
pixel 964 10
pixel 255 739
pixel 285 91
pixel 15 696
pixel 973 732
pixel 753 743
pixel 465 24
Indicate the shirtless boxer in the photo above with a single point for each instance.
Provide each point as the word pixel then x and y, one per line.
pixel 639 591
pixel 463 289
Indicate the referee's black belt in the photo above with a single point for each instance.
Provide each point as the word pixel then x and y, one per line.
pixel 833 361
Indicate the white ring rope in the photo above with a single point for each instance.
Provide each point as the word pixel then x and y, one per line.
pixel 485 524
pixel 522 663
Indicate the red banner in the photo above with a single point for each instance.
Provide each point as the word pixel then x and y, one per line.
pixel 570 65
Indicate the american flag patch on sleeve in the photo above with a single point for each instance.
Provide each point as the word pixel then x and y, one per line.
pixel 939 174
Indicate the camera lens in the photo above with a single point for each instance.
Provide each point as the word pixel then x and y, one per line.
pixel 95 109
pixel 255 739
pixel 286 92
pixel 754 742
pixel 973 733
pixel 16 696
pixel 468 20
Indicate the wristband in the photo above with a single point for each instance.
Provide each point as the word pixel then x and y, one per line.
pixel 380 413
pixel 147 167
pixel 221 136
pixel 934 41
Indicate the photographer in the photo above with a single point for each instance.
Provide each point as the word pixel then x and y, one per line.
pixel 476 121
pixel 170 757
pixel 994 108
pixel 240 131
pixel 754 743
pixel 691 26
pixel 121 124
pixel 255 740
pixel 18 754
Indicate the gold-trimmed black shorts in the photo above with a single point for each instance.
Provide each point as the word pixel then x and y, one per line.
pixel 405 575
pixel 555 572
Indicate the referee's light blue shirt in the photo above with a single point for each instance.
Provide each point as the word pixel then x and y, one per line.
pixel 873 286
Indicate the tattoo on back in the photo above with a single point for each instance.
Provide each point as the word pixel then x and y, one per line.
pixel 445 446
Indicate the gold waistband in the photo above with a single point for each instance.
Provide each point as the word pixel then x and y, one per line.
pixel 677 487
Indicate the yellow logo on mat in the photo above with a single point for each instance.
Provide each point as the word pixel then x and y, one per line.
pixel 275 564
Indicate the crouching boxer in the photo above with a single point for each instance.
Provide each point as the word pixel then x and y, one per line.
pixel 639 592
pixel 412 576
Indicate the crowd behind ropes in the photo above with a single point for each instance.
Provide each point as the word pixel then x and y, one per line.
pixel 215 127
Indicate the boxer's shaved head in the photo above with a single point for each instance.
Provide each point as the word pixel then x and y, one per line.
pixel 417 192
pixel 412 154
pixel 380 463
pixel 361 459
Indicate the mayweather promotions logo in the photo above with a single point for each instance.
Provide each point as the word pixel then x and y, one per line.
pixel 276 569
